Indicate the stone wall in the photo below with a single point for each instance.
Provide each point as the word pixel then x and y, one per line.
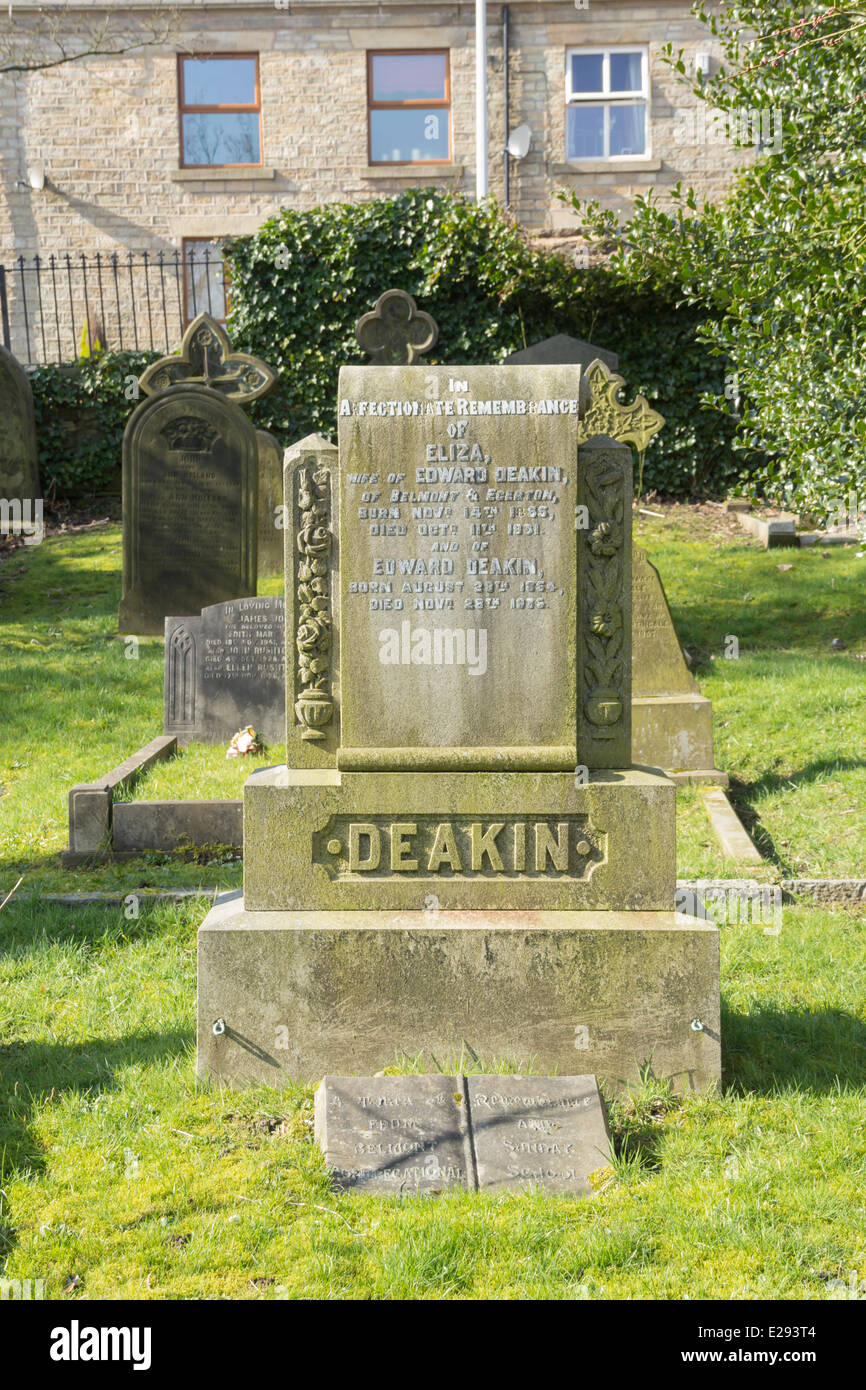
pixel 106 128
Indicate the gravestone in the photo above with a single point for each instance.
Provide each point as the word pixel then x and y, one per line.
pixel 19 471
pixel 190 506
pixel 561 349
pixel 672 722
pixel 225 669
pixel 423 1134
pixel 458 848
pixel 271 540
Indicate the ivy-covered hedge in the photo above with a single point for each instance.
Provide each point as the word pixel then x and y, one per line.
pixel 300 284
pixel 81 413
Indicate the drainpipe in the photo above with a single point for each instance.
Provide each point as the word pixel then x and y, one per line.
pixel 481 183
pixel 506 170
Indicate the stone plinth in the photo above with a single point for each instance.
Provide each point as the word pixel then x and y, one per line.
pixel 337 840
pixel 297 995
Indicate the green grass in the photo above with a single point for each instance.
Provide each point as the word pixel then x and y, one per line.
pixel 119 1171
pixel 119 1177
pixel 790 715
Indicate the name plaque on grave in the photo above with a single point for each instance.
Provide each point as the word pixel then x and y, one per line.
pixel 422 1134
pixel 459 574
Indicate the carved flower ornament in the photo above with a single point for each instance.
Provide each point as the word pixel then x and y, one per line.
pixel 605 539
pixel 606 622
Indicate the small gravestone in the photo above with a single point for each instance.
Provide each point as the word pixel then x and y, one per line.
pixel 19 472
pixel 190 506
pixel 225 669
pixel 417 1134
pixel 271 539
pixel 562 348
pixel 672 722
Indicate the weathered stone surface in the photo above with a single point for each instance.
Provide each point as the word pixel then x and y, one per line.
pixel 548 1132
pixel 271 536
pixel 425 1133
pixel 305 994
pixel 338 840
pixel 467 554
pixel 90 803
pixel 19 471
pixel 312 567
pixel 675 733
pixel 657 662
pixel 562 349
pixel 141 826
pixel 190 498
pixel 206 359
pixel 396 332
pixel 394 1134
pixel 225 670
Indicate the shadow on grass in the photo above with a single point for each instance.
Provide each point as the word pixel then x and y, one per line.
pixel 33 1071
pixel 767 1048
pixel 745 795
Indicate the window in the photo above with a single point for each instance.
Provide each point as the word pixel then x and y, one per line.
pixel 606 92
pixel 205 289
pixel 220 110
pixel 409 96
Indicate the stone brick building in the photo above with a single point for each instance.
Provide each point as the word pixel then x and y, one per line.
pixel 245 108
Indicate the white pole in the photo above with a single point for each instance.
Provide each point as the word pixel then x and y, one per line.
pixel 481 99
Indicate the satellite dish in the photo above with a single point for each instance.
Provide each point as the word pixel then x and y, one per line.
pixel 519 141
pixel 36 177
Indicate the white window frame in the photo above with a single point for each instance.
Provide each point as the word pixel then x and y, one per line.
pixel 606 98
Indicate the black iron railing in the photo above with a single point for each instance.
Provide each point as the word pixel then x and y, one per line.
pixel 55 308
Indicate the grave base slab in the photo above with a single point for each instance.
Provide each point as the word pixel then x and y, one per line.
pixel 297 995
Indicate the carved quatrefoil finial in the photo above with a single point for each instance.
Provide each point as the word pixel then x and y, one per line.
pixel 630 424
pixel 206 359
pixel 396 333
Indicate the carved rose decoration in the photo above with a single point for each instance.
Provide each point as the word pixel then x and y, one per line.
pixel 605 539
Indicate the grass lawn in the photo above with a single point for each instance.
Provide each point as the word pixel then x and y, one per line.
pixel 119 1177
pixel 123 1175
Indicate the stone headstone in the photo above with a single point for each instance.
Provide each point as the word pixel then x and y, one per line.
pixel 423 1134
pixel 396 332
pixel 562 348
pixel 460 549
pixel 672 722
pixel 19 471
pixel 206 359
pixel 225 669
pixel 459 849
pixel 190 506
pixel 658 664
pixel 271 538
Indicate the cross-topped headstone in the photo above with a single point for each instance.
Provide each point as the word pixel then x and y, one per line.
pixel 396 333
pixel 206 359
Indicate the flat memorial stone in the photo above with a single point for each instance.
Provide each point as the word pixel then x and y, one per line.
pixel 225 669
pixel 403 1134
pixel 537 1131
pixel 394 1134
